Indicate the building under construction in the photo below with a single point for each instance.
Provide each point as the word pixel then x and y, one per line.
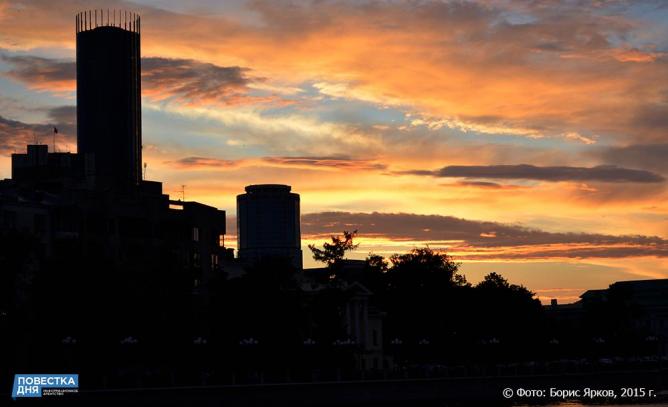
pixel 87 216
pixel 109 97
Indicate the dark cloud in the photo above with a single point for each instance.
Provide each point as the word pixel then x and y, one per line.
pixel 602 173
pixel 483 184
pixel 205 162
pixel 577 252
pixel 15 135
pixel 162 78
pixel 41 72
pixel 345 163
pixel 652 119
pixel 473 234
pixel 64 118
pixel 647 156
pixel 193 80
pixel 601 193
pixel 63 114
pixel 567 62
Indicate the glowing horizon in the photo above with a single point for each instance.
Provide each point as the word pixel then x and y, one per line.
pixel 526 138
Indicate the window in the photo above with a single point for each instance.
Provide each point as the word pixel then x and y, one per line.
pixel 195 234
pixel 221 240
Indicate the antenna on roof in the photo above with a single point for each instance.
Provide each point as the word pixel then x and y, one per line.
pixel 55 131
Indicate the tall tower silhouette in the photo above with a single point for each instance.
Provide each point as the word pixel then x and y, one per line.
pixel 109 96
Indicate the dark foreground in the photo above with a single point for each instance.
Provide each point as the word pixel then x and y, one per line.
pixel 470 391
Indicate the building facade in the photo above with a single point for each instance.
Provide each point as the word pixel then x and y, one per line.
pixel 268 224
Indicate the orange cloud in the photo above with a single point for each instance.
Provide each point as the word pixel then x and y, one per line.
pixel 42 73
pixel 542 78
pixel 636 55
pixel 15 135
pixel 558 78
pixel 311 163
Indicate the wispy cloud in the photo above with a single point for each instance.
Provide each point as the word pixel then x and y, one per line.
pixel 316 163
pixel 184 80
pixel 569 70
pixel 483 185
pixel 340 163
pixel 193 81
pixel 15 135
pixel 647 156
pixel 204 162
pixel 471 239
pixel 42 73
pixel 308 92
pixel 602 173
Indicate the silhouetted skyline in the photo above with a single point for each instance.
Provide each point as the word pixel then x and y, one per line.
pixel 152 304
pixel 461 138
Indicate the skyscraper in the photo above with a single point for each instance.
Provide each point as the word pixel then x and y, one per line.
pixel 109 97
pixel 268 224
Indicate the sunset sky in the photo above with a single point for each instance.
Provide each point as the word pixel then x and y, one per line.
pixel 526 137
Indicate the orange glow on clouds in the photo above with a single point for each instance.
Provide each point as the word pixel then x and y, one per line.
pixel 343 100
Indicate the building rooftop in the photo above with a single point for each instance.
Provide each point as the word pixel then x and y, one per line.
pixel 268 188
pixel 97 19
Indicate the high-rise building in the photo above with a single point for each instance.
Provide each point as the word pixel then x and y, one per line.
pixel 98 207
pixel 268 224
pixel 109 97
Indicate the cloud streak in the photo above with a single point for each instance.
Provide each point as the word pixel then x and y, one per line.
pixel 42 73
pixel 340 163
pixel 303 162
pixel 602 173
pixel 185 80
pixel 472 239
pixel 194 82
pixel 15 135
pixel 647 156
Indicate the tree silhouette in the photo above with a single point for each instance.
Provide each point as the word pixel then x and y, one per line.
pixel 331 253
pixel 376 263
pixel 508 312
pixel 424 266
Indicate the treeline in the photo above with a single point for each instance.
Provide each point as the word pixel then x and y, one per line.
pixel 430 312
pixel 429 304
pixel 146 323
